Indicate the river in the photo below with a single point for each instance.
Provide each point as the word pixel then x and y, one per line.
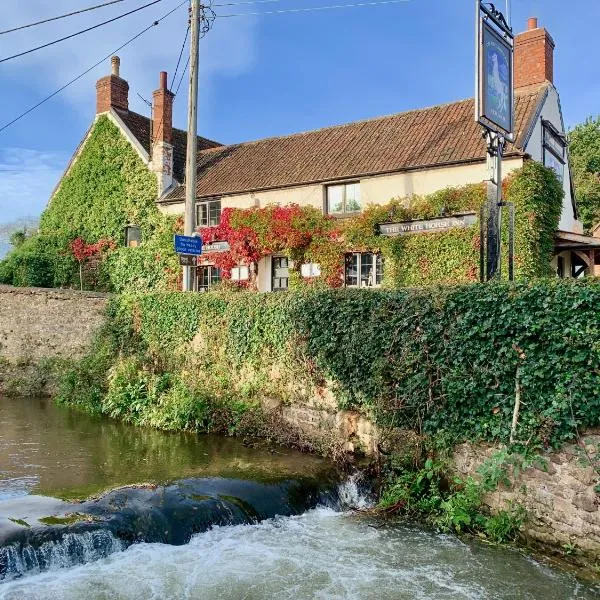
pixel 142 514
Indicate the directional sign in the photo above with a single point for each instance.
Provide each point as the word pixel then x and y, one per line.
pixel 188 244
pixel 188 260
pixel 216 247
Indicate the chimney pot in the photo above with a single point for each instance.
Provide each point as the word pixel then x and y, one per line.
pixel 116 65
pixel 163 80
pixel 532 23
pixel 112 91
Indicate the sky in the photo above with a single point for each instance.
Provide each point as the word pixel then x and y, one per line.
pixel 260 75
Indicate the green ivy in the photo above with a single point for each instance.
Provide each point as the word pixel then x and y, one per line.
pixel 441 360
pixel 107 188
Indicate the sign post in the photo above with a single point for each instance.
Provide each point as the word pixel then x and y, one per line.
pixel 494 110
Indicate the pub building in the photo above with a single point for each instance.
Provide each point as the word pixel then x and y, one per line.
pixel 343 169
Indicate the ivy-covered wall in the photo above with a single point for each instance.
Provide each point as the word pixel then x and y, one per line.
pixel 107 188
pixel 449 257
pixel 444 360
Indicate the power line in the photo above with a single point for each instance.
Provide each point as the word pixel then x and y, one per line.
pixel 68 37
pixel 187 64
pixel 77 12
pixel 311 8
pixel 104 58
pixel 187 33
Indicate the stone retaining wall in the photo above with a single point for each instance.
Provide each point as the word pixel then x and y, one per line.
pixel 563 507
pixel 39 327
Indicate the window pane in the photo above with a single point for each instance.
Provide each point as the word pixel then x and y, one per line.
pixel 378 269
pixel 367 271
pixel 335 199
pixel 553 163
pixel 351 271
pixel 280 277
pixel 203 279
pixel 214 213
pixel 353 197
pixel 215 276
pixel 201 214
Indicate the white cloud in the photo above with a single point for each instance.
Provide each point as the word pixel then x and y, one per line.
pixel 27 178
pixel 227 49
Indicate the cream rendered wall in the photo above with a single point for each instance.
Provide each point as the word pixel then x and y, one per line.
pixel 551 111
pixel 378 189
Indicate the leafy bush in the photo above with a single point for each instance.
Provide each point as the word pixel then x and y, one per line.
pixel 437 360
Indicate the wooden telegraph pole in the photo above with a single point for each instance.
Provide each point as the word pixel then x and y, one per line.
pixel 192 137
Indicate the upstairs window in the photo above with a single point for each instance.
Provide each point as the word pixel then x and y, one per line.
pixel 363 269
pixel 554 150
pixel 133 236
pixel 208 213
pixel 343 199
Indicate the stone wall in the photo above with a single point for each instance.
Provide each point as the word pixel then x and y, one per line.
pixel 40 328
pixel 559 495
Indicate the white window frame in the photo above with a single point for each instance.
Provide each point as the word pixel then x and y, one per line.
pixel 344 186
pixel 207 203
pixel 211 268
pixel 376 257
pixel 240 273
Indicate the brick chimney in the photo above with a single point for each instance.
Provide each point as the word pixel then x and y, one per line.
pixel 162 113
pixel 112 91
pixel 534 56
pixel 162 134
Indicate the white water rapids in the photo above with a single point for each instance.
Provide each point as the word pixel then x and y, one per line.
pixel 320 554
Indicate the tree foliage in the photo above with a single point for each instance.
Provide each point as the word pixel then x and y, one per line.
pixel 584 147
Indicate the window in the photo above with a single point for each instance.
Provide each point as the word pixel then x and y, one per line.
pixel 208 213
pixel 343 199
pixel 133 236
pixel 363 269
pixel 310 270
pixel 280 273
pixel 554 150
pixel 560 267
pixel 240 273
pixel 207 277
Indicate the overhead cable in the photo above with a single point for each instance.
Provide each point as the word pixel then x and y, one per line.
pixel 310 8
pixel 71 14
pixel 103 59
pixel 68 37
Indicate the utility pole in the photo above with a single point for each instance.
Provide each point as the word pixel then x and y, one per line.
pixel 192 137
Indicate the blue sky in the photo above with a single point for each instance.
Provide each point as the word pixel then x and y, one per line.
pixel 261 75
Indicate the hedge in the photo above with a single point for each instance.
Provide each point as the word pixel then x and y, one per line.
pixel 443 361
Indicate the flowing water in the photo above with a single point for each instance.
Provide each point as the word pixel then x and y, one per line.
pixel 205 517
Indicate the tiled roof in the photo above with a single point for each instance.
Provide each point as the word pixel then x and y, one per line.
pixel 140 128
pixel 416 139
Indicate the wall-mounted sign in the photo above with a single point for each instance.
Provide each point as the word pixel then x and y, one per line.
pixel 494 72
pixel 188 244
pixel 188 260
pixel 428 225
pixel 216 247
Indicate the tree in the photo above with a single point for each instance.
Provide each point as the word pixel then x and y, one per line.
pixel 584 145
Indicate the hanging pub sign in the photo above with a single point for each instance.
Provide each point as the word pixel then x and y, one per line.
pixel 428 225
pixel 495 90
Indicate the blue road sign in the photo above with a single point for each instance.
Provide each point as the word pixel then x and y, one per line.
pixel 188 244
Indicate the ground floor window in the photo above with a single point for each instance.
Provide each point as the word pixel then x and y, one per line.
pixel 280 273
pixel 363 269
pixel 206 277
pixel 240 273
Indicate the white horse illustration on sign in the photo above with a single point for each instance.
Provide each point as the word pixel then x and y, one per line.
pixel 498 86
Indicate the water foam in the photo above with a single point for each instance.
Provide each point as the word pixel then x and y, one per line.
pixel 72 549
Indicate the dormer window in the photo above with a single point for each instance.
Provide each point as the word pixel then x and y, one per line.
pixel 554 146
pixel 343 199
pixel 208 213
